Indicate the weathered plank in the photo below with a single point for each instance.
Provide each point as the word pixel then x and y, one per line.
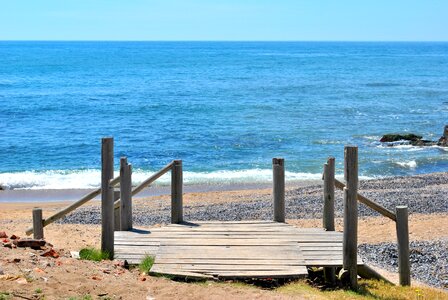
pixel 232 250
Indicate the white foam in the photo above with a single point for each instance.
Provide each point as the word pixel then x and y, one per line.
pixel 86 179
pixel 407 164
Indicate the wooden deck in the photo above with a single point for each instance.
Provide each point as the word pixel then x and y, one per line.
pixel 247 249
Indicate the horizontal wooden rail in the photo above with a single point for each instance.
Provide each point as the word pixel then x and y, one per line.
pixel 147 182
pixel 73 206
pixel 384 211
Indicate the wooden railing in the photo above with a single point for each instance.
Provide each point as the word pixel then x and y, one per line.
pixel 116 206
pixel 350 238
pixel 72 206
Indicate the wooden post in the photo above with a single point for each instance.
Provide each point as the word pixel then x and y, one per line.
pixel 176 192
pixel 117 211
pixel 328 211
pixel 107 196
pixel 125 196
pixel 38 224
pixel 404 268
pixel 350 239
pixel 328 214
pixel 278 169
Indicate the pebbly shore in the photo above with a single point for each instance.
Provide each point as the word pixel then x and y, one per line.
pixel 424 194
pixel 429 259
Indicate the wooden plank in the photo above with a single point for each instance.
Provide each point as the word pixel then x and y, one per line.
pixel 297 238
pixel 299 271
pixel 151 179
pixel 271 274
pixel 211 242
pixel 68 209
pixel 229 268
pixel 270 262
pixel 223 259
pixel 136 249
pixel 230 233
pixel 156 271
pixel 221 256
pixel 366 201
pixel 229 229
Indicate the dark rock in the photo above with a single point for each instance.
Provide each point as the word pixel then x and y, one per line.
pixel 388 138
pixel 412 139
pixel 32 243
pixel 423 143
pixel 443 142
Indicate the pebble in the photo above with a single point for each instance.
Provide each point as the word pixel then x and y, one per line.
pixel 429 259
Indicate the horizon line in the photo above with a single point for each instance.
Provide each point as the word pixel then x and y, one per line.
pixel 232 41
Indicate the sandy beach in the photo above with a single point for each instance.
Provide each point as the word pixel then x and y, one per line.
pixel 425 195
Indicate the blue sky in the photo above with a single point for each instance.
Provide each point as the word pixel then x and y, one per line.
pixel 340 20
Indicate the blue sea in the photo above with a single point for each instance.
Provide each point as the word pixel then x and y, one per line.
pixel 224 108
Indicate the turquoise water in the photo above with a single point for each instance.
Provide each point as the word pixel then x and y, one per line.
pixel 224 108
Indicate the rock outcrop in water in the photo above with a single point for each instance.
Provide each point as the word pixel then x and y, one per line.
pixel 413 139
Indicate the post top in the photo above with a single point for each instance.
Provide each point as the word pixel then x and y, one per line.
pixel 278 161
pixel 351 146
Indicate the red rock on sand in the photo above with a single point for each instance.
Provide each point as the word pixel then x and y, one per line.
pixel 3 235
pixel 51 252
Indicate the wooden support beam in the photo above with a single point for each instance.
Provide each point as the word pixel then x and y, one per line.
pixel 176 192
pixel 38 224
pixel 404 268
pixel 375 206
pixel 278 169
pixel 350 239
pixel 153 178
pixel 328 211
pixel 117 211
pixel 107 196
pixel 126 195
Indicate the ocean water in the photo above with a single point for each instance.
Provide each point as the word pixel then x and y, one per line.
pixel 224 108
